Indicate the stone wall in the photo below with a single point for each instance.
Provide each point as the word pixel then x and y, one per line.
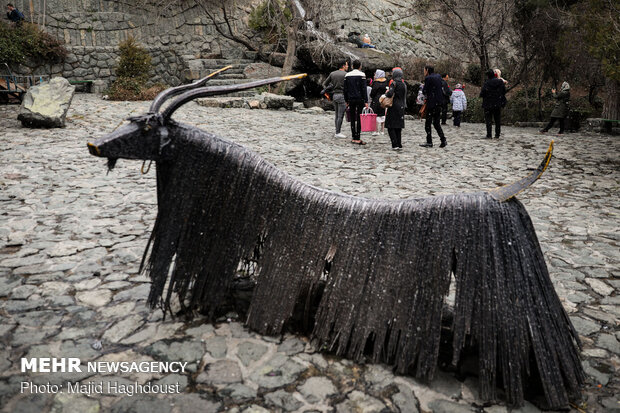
pixel 93 29
pixel 99 62
pixel 175 31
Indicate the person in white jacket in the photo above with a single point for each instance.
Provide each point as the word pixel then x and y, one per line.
pixel 459 104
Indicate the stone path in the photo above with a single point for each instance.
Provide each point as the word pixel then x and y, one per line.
pixel 71 238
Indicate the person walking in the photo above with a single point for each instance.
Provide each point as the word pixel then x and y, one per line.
pixel 335 81
pixel 395 114
pixel 560 111
pixel 447 92
pixel 459 104
pixel 433 93
pixel 357 98
pixel 379 87
pixel 493 96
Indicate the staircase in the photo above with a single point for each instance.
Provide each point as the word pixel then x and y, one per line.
pixel 199 68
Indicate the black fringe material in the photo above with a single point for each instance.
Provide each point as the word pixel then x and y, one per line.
pixel 220 203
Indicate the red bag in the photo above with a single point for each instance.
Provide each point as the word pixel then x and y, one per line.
pixel 368 120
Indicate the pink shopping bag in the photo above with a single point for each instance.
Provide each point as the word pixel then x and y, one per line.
pixel 368 120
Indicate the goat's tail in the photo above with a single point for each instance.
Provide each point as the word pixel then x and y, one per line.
pixel 504 193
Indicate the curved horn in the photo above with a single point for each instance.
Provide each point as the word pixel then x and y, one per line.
pixel 173 91
pixel 504 193
pixel 220 90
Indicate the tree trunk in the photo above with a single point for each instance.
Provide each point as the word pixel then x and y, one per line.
pixel 611 106
pixel 291 46
pixel 484 66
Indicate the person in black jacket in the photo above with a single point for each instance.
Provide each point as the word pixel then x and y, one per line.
pixel 378 88
pixel 433 91
pixel 356 96
pixel 493 96
pixel 395 115
pixel 13 14
pixel 447 92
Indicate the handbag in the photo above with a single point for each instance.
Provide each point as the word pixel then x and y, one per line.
pixel 368 120
pixel 385 101
pixel 328 93
pixel 423 111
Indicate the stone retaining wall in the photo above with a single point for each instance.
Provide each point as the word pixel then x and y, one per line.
pixel 93 29
pixel 99 63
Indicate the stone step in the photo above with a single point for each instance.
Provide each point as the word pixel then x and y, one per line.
pixel 227 75
pixel 216 81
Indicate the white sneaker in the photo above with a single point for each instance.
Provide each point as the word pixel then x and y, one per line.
pixel 375 133
pixel 339 135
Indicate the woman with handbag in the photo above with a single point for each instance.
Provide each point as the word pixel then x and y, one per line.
pixel 395 114
pixel 379 87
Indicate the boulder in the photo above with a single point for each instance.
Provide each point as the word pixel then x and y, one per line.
pixel 222 102
pixel 273 101
pixel 260 70
pixel 46 105
pixel 325 56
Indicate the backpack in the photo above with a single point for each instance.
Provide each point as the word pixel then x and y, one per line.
pixel 20 14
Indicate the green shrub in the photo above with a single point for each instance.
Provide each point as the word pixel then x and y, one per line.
pixel 413 67
pixel 18 43
pixel 135 62
pixel 474 112
pixel 132 73
pixel 473 74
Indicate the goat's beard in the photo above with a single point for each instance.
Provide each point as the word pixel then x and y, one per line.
pixel 111 163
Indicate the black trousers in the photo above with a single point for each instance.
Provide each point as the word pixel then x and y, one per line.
pixel 433 117
pixel 444 112
pixel 395 137
pixel 355 110
pixel 552 121
pixel 456 117
pixel 490 116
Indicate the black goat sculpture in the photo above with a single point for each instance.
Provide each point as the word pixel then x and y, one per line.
pixel 369 276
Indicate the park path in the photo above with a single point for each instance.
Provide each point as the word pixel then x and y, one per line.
pixel 71 237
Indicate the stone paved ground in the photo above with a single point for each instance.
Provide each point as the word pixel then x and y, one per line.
pixel 71 237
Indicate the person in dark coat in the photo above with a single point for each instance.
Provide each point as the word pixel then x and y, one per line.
pixel 493 96
pixel 13 14
pixel 395 115
pixel 560 111
pixel 447 92
pixel 433 92
pixel 379 87
pixel 356 96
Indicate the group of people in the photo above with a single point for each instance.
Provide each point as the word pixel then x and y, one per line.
pixel 352 92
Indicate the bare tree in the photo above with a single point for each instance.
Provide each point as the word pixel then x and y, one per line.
pixel 224 21
pixel 479 24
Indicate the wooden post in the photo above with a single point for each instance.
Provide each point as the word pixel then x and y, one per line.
pixel 31 4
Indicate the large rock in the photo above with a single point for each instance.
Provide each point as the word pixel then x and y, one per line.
pixel 273 101
pixel 325 56
pixel 260 70
pixel 46 105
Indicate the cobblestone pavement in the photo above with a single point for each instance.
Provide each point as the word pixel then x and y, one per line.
pixel 71 237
